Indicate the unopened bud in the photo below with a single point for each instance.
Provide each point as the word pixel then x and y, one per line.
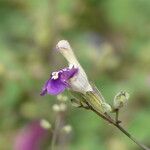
pixel 62 98
pixel 59 97
pixel 45 124
pixel 121 99
pixel 67 129
pixel 56 108
pixel 62 107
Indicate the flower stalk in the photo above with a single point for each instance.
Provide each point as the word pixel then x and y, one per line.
pixel 84 94
pixel 55 133
pixel 116 123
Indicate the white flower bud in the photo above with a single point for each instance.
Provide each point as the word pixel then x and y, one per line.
pixel 65 98
pixel 45 124
pixel 67 128
pixel 62 107
pixel 79 82
pixel 62 98
pixel 56 108
pixel 121 99
pixel 59 97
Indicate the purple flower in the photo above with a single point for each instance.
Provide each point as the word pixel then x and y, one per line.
pixel 30 137
pixel 72 77
pixel 59 81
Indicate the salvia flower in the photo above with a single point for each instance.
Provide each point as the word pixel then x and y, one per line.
pixel 72 77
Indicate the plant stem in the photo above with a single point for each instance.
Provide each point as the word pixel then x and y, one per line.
pixel 131 137
pixel 117 114
pixel 116 124
pixel 55 133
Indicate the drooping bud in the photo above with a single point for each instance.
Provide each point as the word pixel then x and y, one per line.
pixel 120 99
pixel 80 81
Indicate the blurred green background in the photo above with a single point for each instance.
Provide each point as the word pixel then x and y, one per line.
pixel 111 39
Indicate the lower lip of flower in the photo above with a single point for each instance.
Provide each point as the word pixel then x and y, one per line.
pixel 59 81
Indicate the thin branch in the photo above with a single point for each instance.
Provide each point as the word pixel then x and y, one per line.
pixel 116 124
pixel 132 138
pixel 55 133
pixel 117 116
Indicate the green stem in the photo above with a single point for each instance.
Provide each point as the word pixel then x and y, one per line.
pixel 132 138
pixel 55 133
pixel 111 121
pixel 117 114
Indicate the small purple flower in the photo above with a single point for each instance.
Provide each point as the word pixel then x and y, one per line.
pixel 72 77
pixel 30 137
pixel 59 81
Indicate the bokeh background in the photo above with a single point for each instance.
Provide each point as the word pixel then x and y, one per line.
pixel 111 39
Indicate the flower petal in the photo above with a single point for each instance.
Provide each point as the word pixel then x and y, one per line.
pixel 58 81
pixel 68 73
pixel 44 88
pixel 30 137
pixel 55 87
